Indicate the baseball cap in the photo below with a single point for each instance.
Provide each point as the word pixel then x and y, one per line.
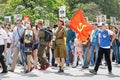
pixel 101 24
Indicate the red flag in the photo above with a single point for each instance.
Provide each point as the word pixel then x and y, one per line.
pixel 80 26
pixel 26 18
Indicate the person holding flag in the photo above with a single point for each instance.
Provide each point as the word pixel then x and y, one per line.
pixel 80 25
pixel 84 29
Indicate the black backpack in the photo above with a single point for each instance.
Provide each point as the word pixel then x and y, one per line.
pixel 48 35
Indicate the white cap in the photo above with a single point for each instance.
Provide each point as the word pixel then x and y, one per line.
pixel 101 24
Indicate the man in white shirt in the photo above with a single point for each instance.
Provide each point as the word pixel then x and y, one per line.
pixel 3 47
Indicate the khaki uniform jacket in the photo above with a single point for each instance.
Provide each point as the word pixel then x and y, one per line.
pixel 60 49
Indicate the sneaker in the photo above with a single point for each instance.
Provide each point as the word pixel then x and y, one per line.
pixel 67 65
pixel 27 71
pixel 84 67
pixel 61 71
pixel 118 62
pixel 47 65
pixel 31 69
pixel 55 65
pixel 93 71
pixel 73 66
pixel 4 72
pixel 42 68
pixel 91 65
pixel 11 70
pixel 110 72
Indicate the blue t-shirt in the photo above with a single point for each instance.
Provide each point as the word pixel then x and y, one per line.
pixel 70 36
pixel 104 38
pixel 95 39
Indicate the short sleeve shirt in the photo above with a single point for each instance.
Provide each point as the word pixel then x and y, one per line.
pixel 3 36
pixel 109 33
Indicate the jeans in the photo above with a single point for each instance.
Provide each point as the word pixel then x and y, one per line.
pixel 92 47
pixel 119 50
pixel 8 56
pixel 85 55
pixel 23 55
pixel 116 51
pixel 53 59
pixel 69 47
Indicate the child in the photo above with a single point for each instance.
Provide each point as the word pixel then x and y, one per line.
pixel 78 52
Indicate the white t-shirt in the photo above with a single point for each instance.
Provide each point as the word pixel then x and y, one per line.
pixel 9 34
pixel 109 33
pixel 3 36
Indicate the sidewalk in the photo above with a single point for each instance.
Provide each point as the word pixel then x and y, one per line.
pixel 70 74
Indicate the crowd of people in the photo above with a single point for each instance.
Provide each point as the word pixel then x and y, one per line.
pixel 27 46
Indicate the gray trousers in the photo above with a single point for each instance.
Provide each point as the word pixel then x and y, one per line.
pixel 15 57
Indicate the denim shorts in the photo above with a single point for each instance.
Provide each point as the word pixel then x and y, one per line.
pixel 35 45
pixel 28 50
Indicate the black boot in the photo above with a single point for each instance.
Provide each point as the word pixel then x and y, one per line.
pixel 60 70
pixel 4 71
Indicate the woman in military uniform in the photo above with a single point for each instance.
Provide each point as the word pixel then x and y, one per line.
pixel 60 49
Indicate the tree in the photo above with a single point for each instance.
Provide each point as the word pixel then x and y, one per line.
pixel 48 9
pixel 108 7
pixel 35 9
pixel 91 10
pixel 3 1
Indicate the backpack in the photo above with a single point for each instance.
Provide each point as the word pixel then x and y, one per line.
pixel 28 41
pixel 48 35
pixel 28 36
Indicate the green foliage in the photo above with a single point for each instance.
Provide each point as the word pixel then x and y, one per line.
pixel 91 10
pixel 2 18
pixel 35 9
pixel 108 7
pixel 3 1
pixel 48 9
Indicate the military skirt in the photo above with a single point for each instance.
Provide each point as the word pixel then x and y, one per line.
pixel 60 51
